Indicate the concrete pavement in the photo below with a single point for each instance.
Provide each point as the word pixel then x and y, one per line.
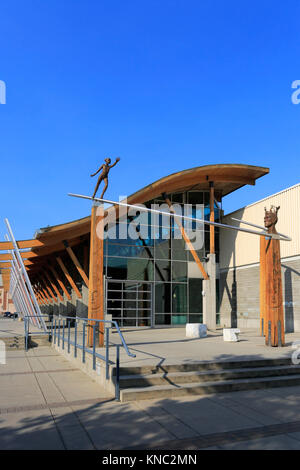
pixel 47 403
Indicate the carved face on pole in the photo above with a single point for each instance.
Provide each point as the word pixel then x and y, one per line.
pixel 270 219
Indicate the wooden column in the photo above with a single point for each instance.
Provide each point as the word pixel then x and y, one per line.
pixel 96 279
pixel 274 303
pixel 212 216
pixel 262 286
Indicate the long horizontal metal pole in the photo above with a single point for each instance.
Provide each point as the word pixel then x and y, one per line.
pixel 207 222
pixel 263 228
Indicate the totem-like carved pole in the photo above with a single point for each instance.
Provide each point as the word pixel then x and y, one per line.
pixel 271 298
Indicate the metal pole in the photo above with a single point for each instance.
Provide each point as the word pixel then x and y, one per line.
pixel 94 347
pixel 107 352
pixel 75 339
pixel 69 334
pixel 207 222
pixel 118 373
pixel 63 342
pixel 83 342
pixel 17 270
pixel 58 338
pixel 24 272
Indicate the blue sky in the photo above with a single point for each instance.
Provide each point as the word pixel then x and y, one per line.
pixel 165 85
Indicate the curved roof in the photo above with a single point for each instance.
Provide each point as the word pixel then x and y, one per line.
pixel 226 177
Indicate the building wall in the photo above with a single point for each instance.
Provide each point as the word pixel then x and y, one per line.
pixel 239 263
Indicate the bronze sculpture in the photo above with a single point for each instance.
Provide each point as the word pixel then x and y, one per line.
pixel 104 175
pixel 271 219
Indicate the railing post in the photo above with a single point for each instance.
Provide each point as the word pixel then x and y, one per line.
pixel 83 342
pixel 58 338
pixel 63 341
pixel 26 335
pixel 107 352
pixel 118 373
pixel 75 339
pixel 55 331
pixel 51 330
pixel 69 334
pixel 94 347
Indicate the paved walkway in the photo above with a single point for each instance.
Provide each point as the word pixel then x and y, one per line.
pixel 46 403
pixel 9 327
pixel 170 346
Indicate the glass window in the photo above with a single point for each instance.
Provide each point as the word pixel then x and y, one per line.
pixel 163 298
pixel 179 271
pixel 195 296
pixel 163 248
pixel 162 270
pixel 195 197
pixel 161 319
pixel 178 246
pixel 129 268
pixel 179 298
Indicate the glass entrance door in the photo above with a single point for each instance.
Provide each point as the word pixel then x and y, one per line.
pixel 129 302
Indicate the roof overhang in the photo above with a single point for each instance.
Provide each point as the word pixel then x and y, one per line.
pixel 226 177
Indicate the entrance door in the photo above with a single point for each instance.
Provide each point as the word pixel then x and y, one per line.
pixel 129 302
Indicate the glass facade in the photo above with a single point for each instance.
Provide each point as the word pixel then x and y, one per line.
pixel 150 274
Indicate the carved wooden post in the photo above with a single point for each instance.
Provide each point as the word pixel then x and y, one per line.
pixel 96 278
pixel 274 298
pixel 262 285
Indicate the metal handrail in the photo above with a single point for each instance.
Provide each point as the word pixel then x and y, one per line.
pixel 27 321
pixel 56 336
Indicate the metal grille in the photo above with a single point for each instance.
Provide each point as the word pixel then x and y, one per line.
pixel 129 302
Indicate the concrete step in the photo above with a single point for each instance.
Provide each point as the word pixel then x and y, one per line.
pixel 172 391
pixel 203 366
pixel 177 378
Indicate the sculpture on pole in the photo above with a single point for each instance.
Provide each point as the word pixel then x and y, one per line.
pixel 271 283
pixel 104 175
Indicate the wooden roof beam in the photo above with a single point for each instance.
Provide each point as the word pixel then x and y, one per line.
pixel 60 281
pixel 53 286
pixel 22 244
pixel 76 263
pixel 69 278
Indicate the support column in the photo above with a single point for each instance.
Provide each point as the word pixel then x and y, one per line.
pixel 274 304
pixel 212 217
pixel 262 286
pixel 96 278
pixel 209 294
pixel 209 287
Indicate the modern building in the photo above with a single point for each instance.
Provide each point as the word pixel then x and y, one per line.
pixel 150 277
pixel 239 262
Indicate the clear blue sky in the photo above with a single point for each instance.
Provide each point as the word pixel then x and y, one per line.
pixel 165 85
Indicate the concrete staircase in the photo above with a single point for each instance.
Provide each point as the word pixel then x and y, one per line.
pixel 170 381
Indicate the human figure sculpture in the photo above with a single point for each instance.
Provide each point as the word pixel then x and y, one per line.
pixel 271 283
pixel 271 219
pixel 104 175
